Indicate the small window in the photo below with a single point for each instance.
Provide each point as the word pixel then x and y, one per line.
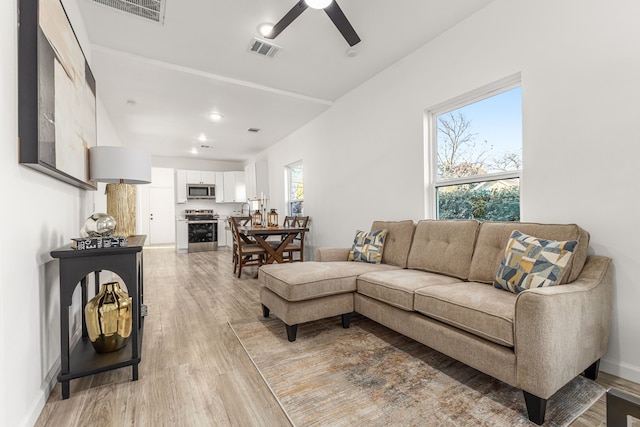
pixel 295 190
pixel 476 155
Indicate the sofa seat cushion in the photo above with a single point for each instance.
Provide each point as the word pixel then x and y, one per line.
pixel 396 287
pixel 306 280
pixel 475 307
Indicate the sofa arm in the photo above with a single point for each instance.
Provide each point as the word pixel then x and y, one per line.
pixel 331 254
pixel 562 330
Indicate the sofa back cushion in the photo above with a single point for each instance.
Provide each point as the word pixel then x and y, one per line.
pixel 444 246
pixel 493 238
pixel 397 241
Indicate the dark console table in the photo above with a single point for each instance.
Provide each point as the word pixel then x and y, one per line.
pixel 75 266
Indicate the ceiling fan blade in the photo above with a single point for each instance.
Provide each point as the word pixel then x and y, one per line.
pixel 342 23
pixel 287 19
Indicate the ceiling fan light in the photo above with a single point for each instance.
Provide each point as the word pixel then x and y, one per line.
pixel 265 29
pixel 318 4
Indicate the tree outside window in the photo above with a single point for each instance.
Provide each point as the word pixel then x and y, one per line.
pixel 477 156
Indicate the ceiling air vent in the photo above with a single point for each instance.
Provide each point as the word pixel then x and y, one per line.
pixel 261 47
pixel 253 130
pixel 149 9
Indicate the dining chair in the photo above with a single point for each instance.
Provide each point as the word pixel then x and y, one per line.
pixel 242 220
pixel 298 243
pixel 245 253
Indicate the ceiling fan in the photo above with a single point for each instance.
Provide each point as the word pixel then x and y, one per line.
pixel 330 7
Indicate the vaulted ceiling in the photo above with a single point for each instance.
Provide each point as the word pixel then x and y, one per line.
pixel 160 81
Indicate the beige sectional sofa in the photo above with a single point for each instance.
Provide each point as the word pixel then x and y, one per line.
pixel 435 285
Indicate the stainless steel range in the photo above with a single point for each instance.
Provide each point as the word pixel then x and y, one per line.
pixel 202 225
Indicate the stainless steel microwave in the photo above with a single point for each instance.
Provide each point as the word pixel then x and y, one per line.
pixel 201 191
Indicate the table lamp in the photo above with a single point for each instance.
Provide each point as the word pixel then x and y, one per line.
pixel 120 168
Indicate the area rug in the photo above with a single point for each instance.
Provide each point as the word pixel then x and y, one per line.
pixel 369 375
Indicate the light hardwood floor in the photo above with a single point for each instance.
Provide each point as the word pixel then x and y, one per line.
pixel 193 370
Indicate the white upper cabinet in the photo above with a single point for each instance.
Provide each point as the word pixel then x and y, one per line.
pixel 235 190
pixel 208 177
pixel 220 193
pixel 181 186
pixel 201 177
pixel 250 178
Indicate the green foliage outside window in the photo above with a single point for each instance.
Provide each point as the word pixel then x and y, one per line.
pixel 467 202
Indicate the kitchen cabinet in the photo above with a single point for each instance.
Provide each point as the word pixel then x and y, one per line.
pixel 220 187
pixel 257 179
pixel 230 187
pixel 235 190
pixel 222 234
pixel 201 177
pixel 182 236
pixel 250 179
pixel 181 186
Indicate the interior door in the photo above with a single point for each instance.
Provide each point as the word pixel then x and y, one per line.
pixel 162 224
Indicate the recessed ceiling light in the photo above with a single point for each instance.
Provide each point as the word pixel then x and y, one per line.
pixel 265 29
pixel 318 4
pixel 216 117
pixel 194 151
pixel 253 130
pixel 202 137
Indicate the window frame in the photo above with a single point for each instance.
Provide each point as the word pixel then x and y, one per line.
pixel 288 199
pixel 431 139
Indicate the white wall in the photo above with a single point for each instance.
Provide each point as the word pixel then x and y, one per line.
pixel 579 61
pixel 195 164
pixel 38 214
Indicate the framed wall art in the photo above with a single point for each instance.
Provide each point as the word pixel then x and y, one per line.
pixel 57 95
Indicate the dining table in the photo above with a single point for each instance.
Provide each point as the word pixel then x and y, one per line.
pixel 274 252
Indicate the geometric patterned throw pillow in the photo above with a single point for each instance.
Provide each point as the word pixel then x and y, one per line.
pixel 368 246
pixel 530 262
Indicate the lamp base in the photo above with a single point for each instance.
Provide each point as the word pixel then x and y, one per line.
pixel 121 205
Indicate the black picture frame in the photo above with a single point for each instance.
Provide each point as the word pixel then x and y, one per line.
pixel 57 121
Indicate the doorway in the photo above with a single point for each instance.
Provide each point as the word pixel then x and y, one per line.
pixel 161 216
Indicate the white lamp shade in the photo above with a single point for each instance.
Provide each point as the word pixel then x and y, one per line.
pixel 119 164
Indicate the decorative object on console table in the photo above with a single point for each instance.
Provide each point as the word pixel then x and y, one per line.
pixel 108 318
pixel 57 95
pixel 98 225
pixel 272 220
pixel 120 168
pixel 84 243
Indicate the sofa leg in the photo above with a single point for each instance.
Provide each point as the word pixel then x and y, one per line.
pixel 346 319
pixel 265 311
pixel 536 407
pixel 292 330
pixel 592 371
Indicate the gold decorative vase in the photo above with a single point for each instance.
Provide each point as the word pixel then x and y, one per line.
pixel 108 318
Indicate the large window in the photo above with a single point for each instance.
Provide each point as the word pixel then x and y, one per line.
pixel 295 189
pixel 475 146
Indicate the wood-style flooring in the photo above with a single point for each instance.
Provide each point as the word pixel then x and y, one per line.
pixel 193 370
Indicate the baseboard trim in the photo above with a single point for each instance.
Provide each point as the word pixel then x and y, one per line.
pixel 43 395
pixel 620 369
